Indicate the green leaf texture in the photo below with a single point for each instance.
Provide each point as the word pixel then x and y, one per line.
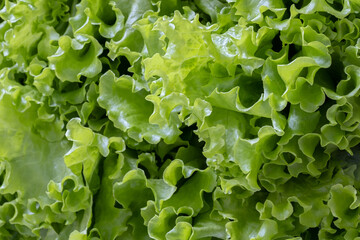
pixel 179 120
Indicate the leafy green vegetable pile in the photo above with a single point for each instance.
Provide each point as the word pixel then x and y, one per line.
pixel 173 119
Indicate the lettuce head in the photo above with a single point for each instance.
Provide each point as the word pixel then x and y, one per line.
pixel 179 119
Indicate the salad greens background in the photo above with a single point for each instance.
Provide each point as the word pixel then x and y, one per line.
pixel 204 119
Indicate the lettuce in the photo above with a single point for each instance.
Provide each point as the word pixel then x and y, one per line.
pixel 149 119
